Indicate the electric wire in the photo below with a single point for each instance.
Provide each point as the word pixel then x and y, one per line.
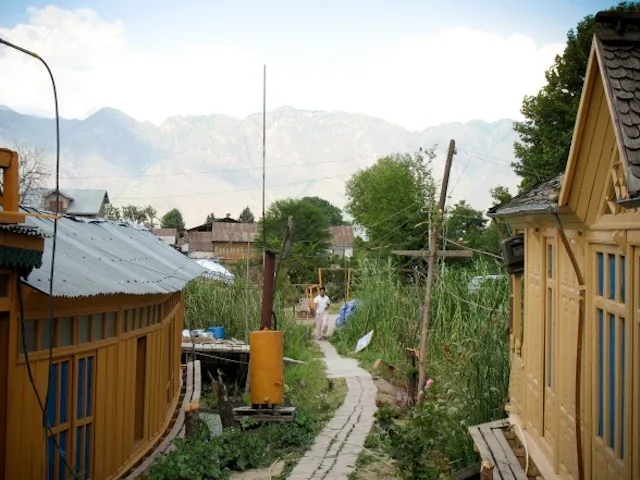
pixel 54 241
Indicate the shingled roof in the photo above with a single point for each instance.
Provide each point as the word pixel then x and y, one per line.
pixel 543 198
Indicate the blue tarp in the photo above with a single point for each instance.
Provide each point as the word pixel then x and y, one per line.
pixel 346 311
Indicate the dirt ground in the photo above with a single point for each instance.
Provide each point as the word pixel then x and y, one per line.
pixel 259 473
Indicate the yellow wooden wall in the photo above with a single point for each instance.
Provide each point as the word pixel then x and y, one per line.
pixel 548 412
pixel 113 448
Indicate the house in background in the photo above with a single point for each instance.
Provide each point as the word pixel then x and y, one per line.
pixel 580 269
pixel 111 355
pixel 342 241
pixel 77 202
pixel 167 235
pixel 232 241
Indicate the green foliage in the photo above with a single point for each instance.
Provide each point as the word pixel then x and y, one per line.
pixel 210 218
pixel 331 211
pixel 172 219
pixel 465 225
pixel 143 215
pixel 246 216
pixel 251 445
pixel 546 132
pixel 468 358
pixel 391 197
pixel 311 237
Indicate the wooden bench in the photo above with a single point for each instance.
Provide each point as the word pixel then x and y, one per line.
pixel 494 449
pixel 191 380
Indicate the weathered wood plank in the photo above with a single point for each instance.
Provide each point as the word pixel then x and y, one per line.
pixel 516 468
pixel 496 450
pixel 483 449
pixel 197 382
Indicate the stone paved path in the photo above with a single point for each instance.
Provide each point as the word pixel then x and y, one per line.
pixel 334 453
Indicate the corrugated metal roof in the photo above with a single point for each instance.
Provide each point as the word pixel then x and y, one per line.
pixel 22 230
pixel 100 257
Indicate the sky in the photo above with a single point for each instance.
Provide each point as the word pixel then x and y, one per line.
pixel 415 63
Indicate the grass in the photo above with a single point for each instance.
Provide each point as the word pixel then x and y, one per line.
pixel 467 359
pixel 251 446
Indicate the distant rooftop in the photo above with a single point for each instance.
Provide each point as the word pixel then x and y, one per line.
pixel 82 202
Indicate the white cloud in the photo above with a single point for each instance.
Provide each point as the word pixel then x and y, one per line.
pixel 453 75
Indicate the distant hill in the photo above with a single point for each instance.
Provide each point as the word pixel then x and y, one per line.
pixel 213 163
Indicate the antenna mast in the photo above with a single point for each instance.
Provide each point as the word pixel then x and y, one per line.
pixel 264 155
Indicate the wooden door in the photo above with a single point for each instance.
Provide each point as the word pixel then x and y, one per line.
pixel 611 357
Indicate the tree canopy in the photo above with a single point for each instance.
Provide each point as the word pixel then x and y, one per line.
pixel 210 218
pixel 465 225
pixel 172 219
pixel 545 134
pixel 143 215
pixel 311 237
pixel 331 211
pixel 391 198
pixel 246 216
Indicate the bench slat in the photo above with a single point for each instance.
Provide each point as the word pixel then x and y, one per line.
pixel 484 450
pixel 496 450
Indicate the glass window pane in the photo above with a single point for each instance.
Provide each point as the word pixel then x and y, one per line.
pixel 65 331
pixel 612 381
pixel 130 320
pixel 623 278
pixel 138 318
pixel 45 334
pixel 96 327
pixel 600 274
pixel 600 374
pixel 111 324
pixel 29 336
pixel 83 328
pixel 612 277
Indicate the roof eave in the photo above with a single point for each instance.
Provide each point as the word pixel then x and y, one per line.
pixel 524 210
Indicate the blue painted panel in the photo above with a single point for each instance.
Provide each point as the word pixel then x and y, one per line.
pixel 51 397
pixel 600 273
pixel 87 451
pixel 600 380
pixel 62 441
pixel 51 450
pixel 623 279
pixel 78 448
pixel 89 397
pixel 612 381
pixel 612 277
pixel 80 392
pixel 64 392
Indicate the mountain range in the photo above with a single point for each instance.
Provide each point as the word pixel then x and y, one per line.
pixel 213 163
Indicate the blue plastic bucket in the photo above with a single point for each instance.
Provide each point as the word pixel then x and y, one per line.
pixel 218 332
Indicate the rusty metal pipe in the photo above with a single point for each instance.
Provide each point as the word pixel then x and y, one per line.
pixel 267 289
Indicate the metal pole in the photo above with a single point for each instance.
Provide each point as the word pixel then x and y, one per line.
pixel 267 289
pixel 264 156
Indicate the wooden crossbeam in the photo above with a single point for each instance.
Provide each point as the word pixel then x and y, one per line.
pixel 439 253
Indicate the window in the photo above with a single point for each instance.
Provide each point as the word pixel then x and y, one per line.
pixel 84 416
pixel 141 377
pixel 611 349
pixel 59 419
pixel 110 324
pixel 96 327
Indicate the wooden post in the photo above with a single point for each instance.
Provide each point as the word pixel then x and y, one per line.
pixel 433 246
pixel 486 470
pixel 191 411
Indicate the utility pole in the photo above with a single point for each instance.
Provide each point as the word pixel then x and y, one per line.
pixel 433 247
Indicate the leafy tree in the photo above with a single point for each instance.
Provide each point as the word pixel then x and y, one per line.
pixel 172 219
pixel 143 215
pixel 112 213
pixel 390 200
pixel 465 225
pixel 310 241
pixel 210 218
pixel 246 216
pixel 333 212
pixel 545 134
pixel 497 227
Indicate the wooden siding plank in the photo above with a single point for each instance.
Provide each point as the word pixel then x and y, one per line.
pixel 595 104
pixel 111 396
pixel 602 180
pixel 175 430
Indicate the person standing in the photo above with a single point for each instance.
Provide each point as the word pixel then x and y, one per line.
pixel 321 304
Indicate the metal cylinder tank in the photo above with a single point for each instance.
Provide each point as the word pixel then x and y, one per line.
pixel 266 367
